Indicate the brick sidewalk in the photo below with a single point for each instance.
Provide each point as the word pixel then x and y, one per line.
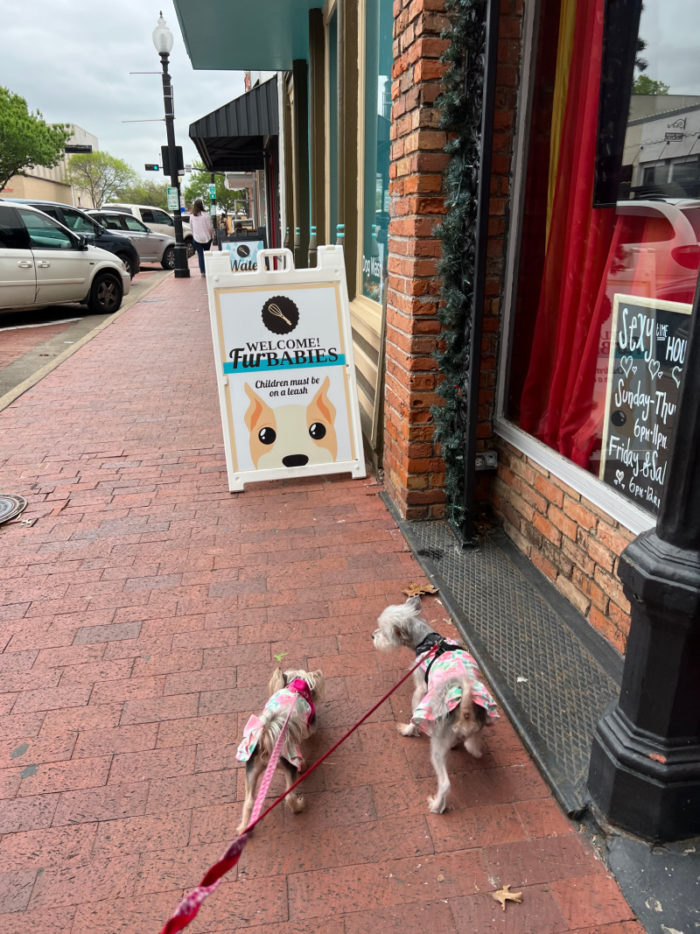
pixel 139 619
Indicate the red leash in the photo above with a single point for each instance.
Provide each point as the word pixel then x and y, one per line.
pixel 189 906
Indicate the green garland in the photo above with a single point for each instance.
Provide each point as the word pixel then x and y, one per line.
pixel 460 114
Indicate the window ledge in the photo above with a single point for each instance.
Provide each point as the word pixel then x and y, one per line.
pixel 602 496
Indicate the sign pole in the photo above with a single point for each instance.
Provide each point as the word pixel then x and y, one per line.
pixel 645 763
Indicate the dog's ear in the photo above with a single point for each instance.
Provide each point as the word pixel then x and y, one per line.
pixel 413 603
pixel 277 681
pixel 322 410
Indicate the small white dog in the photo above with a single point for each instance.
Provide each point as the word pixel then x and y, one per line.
pixel 450 702
pixel 298 690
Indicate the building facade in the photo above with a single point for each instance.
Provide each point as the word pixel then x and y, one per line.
pixel 51 184
pixel 585 253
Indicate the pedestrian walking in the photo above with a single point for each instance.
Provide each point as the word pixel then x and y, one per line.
pixel 202 231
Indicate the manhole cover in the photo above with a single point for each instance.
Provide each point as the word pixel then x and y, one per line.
pixel 11 506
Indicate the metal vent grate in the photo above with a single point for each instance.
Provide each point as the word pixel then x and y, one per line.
pixel 548 680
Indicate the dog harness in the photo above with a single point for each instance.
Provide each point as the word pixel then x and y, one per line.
pixel 296 692
pixel 450 662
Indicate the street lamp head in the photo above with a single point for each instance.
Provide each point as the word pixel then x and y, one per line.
pixel 162 37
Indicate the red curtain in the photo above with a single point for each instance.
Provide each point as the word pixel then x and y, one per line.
pixel 591 254
pixel 557 398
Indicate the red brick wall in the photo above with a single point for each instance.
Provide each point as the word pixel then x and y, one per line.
pixel 574 543
pixel 413 468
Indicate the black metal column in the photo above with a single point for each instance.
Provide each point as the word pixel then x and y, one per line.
pixel 473 323
pixel 645 763
pixel 301 163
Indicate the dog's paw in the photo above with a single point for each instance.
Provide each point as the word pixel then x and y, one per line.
pixel 436 804
pixel 474 746
pixel 296 803
pixel 407 729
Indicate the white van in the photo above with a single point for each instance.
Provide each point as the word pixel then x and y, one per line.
pixel 43 263
pixel 157 219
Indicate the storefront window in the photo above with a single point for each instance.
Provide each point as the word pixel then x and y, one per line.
pixel 604 293
pixel 378 60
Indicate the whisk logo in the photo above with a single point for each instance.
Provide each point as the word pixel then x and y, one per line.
pixel 280 315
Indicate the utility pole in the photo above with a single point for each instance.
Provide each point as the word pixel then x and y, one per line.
pixel 163 41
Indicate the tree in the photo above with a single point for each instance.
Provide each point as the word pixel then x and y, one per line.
pixel 145 192
pixel 643 84
pixel 198 187
pixel 25 139
pixel 99 175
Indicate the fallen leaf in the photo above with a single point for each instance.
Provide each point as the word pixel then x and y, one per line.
pixel 441 878
pixel 280 656
pixel 505 895
pixel 415 590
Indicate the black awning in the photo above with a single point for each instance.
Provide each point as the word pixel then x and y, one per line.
pixel 235 137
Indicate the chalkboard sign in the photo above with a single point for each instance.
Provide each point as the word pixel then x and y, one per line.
pixel 649 339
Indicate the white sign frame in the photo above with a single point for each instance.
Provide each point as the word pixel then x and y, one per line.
pixel 256 365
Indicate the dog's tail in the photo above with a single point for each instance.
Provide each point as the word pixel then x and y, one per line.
pixel 465 711
pixel 272 723
pixel 462 715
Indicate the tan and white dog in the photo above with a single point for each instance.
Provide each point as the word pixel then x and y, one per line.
pixel 292 435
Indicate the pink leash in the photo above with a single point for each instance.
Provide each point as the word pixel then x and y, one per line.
pixel 190 904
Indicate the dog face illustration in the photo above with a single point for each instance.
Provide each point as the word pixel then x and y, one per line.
pixel 292 435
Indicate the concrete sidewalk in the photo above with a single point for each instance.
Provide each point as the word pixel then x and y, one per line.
pixel 141 614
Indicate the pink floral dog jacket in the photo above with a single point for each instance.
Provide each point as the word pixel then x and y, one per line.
pixel 450 665
pixel 296 692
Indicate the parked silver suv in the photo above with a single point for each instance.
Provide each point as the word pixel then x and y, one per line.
pixel 155 218
pixel 44 263
pixel 152 247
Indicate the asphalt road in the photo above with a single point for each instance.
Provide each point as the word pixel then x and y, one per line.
pixel 35 342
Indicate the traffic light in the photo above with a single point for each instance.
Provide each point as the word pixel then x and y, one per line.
pixel 152 167
pixel 166 161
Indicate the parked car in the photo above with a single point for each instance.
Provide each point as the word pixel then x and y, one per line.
pixel 659 252
pixel 152 247
pixel 79 222
pixel 155 218
pixel 44 263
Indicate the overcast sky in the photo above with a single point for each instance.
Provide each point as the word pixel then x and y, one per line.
pixel 671 31
pixel 72 60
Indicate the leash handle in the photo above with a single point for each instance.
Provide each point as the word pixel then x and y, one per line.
pixel 190 904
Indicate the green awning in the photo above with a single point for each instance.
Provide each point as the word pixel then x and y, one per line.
pixel 232 35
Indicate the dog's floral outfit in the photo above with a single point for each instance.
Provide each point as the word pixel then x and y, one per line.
pixel 296 692
pixel 446 667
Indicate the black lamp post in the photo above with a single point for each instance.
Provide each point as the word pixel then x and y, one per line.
pixel 163 41
pixel 645 762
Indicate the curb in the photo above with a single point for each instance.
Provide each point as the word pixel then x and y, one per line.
pixel 36 377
